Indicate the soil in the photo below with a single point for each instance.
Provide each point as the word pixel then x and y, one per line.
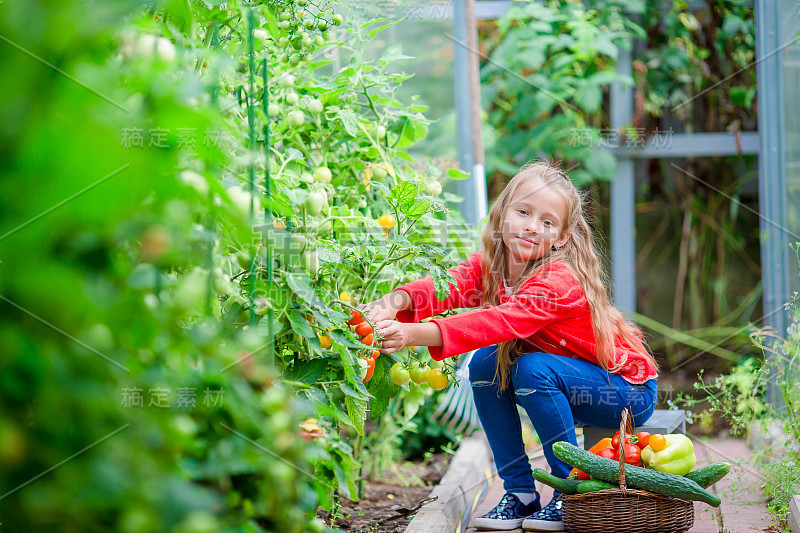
pixel 382 497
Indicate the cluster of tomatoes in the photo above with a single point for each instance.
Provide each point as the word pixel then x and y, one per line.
pixel 400 373
pixel 420 374
pixel 610 448
pixel 363 329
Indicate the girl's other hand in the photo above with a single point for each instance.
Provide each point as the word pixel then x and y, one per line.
pixel 394 336
pixel 385 308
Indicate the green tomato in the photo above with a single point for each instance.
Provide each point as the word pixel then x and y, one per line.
pixel 419 374
pixel 311 263
pixel 274 110
pixel 315 106
pixel 307 177
pixel 285 16
pixel 323 175
pixel 284 24
pixel 322 24
pixel 399 375
pixel 380 131
pixel 299 242
pixel 319 41
pixel 261 35
pixel 287 80
pixel 378 172
pixel 308 24
pixel 306 41
pixel 434 188
pixel 297 118
pixel 292 98
pixel 315 202
pixel 324 229
pixel 337 19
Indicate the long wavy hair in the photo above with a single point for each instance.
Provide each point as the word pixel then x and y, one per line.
pixel 579 253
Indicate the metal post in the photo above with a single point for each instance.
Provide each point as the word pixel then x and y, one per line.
pixel 463 113
pixel 772 168
pixel 623 197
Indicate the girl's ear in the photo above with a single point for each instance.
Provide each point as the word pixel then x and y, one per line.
pixel 563 240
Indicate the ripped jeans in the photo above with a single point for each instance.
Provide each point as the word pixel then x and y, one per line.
pixel 556 392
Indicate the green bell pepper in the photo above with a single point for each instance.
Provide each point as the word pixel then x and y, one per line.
pixel 677 458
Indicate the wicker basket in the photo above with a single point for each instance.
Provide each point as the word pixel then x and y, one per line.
pixel 625 510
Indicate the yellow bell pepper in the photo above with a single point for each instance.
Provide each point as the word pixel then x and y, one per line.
pixel 676 458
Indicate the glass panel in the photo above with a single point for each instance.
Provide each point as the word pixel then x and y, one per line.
pixel 422 34
pixel 790 17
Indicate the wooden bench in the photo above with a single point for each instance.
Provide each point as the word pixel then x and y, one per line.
pixel 662 421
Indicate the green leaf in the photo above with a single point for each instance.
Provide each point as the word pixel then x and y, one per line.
pixel 346 485
pixel 307 371
pixel 263 327
pixel 441 280
pixel 601 163
pixel 300 283
pixel 295 196
pixel 301 326
pixel 381 387
pixel 350 391
pixel 589 97
pixel 415 209
pixel 457 174
pixel 349 121
pixel 346 469
pixel 328 255
pixel 357 411
pixel 376 31
pixel 180 12
pixel 404 192
pixel 340 339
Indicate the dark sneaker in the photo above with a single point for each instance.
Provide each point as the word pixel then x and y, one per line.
pixel 508 514
pixel 548 519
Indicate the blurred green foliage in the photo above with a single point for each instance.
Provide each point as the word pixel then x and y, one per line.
pixel 157 355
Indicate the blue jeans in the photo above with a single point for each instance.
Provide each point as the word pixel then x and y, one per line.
pixel 556 392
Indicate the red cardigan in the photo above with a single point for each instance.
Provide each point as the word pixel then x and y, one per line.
pixel 550 312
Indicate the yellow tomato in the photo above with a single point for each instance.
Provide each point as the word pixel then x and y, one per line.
pixel 387 221
pixel 324 341
pixel 437 380
pixel 658 442
pixel 345 296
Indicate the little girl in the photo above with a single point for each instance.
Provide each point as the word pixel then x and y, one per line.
pixel 549 338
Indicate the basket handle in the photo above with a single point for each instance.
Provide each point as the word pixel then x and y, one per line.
pixel 624 424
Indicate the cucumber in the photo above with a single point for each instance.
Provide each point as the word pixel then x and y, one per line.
pixel 636 477
pixel 593 485
pixel 566 486
pixel 708 475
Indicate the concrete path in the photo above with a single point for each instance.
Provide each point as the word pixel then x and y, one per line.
pixel 742 510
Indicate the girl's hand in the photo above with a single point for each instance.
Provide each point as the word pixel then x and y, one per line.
pixel 385 308
pixel 394 335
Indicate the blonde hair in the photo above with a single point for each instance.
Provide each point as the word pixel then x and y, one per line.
pixel 578 252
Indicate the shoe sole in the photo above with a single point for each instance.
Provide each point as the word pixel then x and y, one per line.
pixel 495 524
pixel 542 525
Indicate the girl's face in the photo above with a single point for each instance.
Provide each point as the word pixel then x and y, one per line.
pixel 534 222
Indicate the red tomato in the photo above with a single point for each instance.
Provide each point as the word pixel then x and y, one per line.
pixel 633 455
pixel 583 476
pixel 363 329
pixel 357 318
pixel 370 368
pixel 644 439
pixel 616 439
pixel 368 339
pixel 608 453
